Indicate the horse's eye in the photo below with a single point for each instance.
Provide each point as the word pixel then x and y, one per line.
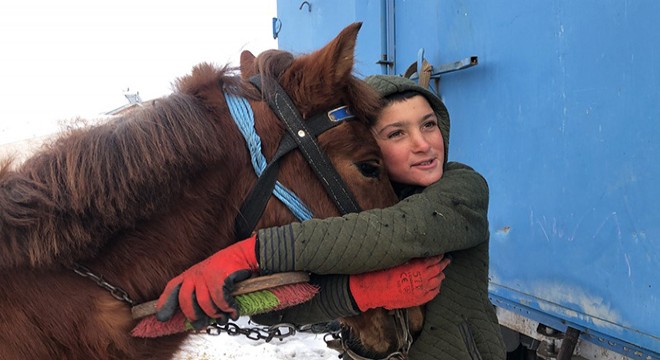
pixel 370 169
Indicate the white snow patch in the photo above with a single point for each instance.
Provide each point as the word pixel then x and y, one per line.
pixel 224 346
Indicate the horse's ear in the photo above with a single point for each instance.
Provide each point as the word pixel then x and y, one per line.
pixel 247 67
pixel 343 47
pixel 335 60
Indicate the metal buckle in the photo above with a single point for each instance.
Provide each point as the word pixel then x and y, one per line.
pixel 340 114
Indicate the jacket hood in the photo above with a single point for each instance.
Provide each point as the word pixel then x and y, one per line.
pixel 387 85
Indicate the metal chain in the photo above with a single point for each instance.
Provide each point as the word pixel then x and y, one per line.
pixel 117 292
pixel 268 333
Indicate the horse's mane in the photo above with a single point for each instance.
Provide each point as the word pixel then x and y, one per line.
pixel 78 190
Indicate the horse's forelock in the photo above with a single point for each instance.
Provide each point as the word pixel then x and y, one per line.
pixel 271 64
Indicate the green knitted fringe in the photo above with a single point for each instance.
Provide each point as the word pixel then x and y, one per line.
pixel 257 302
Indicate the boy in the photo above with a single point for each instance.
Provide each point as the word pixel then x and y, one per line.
pixel 443 209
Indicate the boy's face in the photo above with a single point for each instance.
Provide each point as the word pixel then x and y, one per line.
pixel 408 135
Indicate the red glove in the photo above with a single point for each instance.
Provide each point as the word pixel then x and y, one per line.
pixel 204 290
pixel 413 283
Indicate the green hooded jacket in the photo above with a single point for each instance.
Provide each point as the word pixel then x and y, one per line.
pixel 449 216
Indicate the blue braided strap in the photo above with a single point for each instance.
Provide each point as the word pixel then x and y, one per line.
pixel 242 113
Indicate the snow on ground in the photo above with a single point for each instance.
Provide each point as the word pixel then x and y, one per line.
pixel 223 346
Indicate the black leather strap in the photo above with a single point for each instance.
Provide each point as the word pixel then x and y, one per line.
pixel 299 135
pixel 283 107
pixel 255 203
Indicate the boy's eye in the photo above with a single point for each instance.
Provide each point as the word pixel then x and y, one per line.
pixel 430 124
pixel 394 134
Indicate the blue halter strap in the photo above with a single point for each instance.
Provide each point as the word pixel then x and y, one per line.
pixel 242 113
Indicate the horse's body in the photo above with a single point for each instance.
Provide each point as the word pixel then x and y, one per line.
pixel 141 198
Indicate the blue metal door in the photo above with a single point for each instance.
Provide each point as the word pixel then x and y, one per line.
pixel 562 117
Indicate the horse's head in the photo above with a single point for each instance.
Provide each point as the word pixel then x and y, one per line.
pixel 316 83
pixel 319 82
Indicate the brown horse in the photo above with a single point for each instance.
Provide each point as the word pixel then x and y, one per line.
pixel 140 198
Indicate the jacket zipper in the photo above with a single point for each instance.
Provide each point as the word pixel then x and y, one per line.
pixel 469 341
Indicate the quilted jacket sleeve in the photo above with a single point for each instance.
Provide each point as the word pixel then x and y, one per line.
pixel 332 302
pixel 447 216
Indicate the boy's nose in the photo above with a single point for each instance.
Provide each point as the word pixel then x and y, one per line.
pixel 419 143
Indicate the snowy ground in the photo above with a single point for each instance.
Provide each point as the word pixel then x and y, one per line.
pixel 224 346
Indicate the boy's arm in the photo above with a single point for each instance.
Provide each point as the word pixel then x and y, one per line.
pixel 413 283
pixel 447 216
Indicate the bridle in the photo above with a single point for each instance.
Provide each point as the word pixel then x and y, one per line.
pixel 300 135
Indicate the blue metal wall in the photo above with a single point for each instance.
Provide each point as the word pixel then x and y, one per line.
pixel 562 117
pixel 303 31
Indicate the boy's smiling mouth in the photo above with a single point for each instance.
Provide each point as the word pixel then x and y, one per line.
pixel 425 163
